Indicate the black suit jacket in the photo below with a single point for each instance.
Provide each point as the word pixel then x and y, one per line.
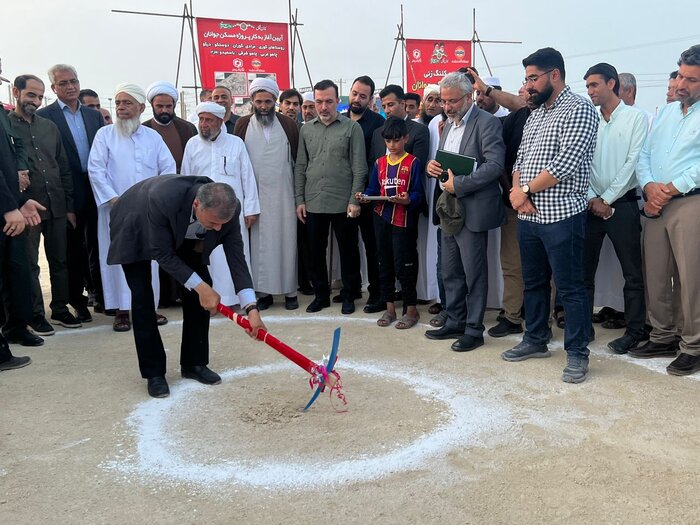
pixel 10 196
pixel 82 192
pixel 150 220
pixel 418 143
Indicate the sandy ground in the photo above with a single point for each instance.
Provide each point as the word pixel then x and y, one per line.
pixel 430 435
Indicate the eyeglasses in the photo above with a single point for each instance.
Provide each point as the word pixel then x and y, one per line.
pixel 452 102
pixel 534 78
pixel 65 83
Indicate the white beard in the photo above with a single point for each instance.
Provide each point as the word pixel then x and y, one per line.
pixel 128 127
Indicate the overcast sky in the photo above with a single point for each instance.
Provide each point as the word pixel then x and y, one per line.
pixel 345 40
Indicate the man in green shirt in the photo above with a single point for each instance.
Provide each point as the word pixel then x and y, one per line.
pixel 51 184
pixel 331 167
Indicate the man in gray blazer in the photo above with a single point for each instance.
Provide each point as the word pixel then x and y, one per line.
pixel 473 132
pixel 178 221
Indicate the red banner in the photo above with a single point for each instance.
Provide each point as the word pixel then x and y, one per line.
pixel 234 53
pixel 427 61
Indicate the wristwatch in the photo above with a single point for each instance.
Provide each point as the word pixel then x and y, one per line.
pixel 488 90
pixel 251 307
pixel 526 189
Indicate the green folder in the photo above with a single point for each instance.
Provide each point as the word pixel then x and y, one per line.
pixel 459 164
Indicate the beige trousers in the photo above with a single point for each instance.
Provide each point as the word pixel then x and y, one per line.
pixel 513 287
pixel 673 240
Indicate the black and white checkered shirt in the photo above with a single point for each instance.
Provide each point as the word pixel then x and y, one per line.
pixel 560 139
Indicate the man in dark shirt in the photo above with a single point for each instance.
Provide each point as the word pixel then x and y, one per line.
pixel 51 184
pixel 361 96
pixel 222 96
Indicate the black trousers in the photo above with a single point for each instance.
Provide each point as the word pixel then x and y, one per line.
pixel 83 258
pixel 16 282
pixel 304 273
pixel 624 230
pixel 345 230
pixel 398 258
pixel 194 348
pixel 367 230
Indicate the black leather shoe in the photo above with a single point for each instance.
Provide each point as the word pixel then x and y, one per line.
pixel 504 328
pixel 651 349
pixel 684 365
pixel 158 387
pixel 291 303
pixel 467 343
pixel 265 302
pixel 623 344
pixel 317 305
pixel 306 290
pixel 201 374
pixel 83 315
pixel 444 332
pixel 337 299
pixel 372 307
pixel 24 338
pixel 348 307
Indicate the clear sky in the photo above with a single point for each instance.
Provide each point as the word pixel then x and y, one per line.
pixel 345 40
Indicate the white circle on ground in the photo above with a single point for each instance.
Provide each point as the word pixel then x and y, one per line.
pixel 469 421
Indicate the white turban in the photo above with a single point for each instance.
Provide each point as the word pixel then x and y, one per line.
pixel 492 81
pixel 309 96
pixel 211 107
pixel 265 84
pixel 162 87
pixel 431 88
pixel 133 90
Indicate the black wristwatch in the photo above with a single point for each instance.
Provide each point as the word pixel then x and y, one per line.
pixel 488 91
pixel 251 307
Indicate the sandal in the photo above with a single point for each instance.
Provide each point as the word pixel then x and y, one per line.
pixel 121 322
pixel 439 320
pixel 406 322
pixel 559 319
pixel 386 319
pixel 161 319
pixel 435 308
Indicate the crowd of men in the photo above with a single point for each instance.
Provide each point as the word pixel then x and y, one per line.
pixel 554 173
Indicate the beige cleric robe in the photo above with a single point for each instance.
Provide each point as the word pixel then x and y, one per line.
pixel 273 238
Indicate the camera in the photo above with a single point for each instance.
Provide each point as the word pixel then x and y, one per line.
pixel 444 176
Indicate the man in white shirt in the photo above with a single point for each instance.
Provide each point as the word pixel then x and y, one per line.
pixel 612 198
pixel 485 102
pixel 222 157
pixel 122 155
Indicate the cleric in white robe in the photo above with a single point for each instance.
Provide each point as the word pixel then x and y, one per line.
pixel 122 155
pixel 223 157
pixel 271 139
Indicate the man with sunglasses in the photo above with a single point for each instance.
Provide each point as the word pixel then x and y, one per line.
pixel 550 183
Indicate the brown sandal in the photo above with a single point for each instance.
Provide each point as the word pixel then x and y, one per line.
pixel 386 319
pixel 407 322
pixel 121 322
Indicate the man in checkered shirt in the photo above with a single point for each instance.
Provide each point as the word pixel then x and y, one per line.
pixel 550 184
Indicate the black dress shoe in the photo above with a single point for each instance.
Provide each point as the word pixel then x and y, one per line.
pixel 444 332
pixel 306 290
pixel 291 303
pixel 651 349
pixel 201 374
pixel 623 344
pixel 83 315
pixel 158 387
pixel 504 328
pixel 684 365
pixel 467 343
pixel 337 299
pixel 317 305
pixel 265 302
pixel 24 337
pixel 348 307
pixel 372 307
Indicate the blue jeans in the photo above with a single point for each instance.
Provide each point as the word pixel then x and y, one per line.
pixel 556 248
